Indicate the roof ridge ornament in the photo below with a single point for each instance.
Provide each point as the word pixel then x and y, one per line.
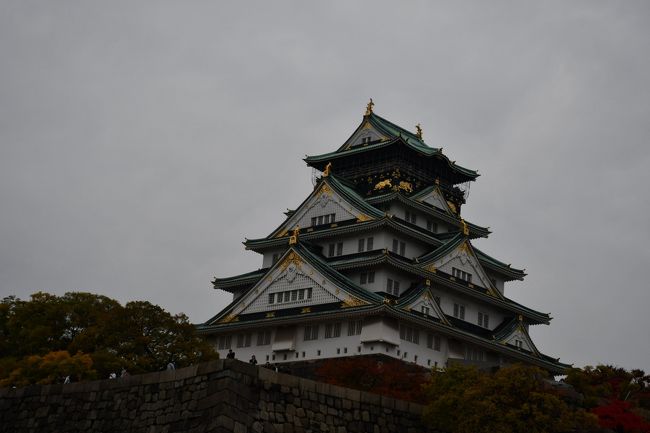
pixel 327 170
pixel 464 227
pixel 293 239
pixel 418 130
pixel 369 108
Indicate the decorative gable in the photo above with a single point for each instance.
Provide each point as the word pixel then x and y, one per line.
pixel 364 134
pixel 463 264
pixel 425 303
pixel 291 283
pixel 323 206
pixel 520 339
pixel 436 199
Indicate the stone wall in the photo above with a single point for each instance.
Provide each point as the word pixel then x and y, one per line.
pixel 219 396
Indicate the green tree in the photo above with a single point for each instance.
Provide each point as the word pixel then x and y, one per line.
pixel 514 399
pixel 139 336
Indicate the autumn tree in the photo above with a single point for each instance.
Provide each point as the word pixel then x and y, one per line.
pixel 513 399
pixel 392 378
pixel 620 398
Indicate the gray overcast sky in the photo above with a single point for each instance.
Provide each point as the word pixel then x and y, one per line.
pixel 140 142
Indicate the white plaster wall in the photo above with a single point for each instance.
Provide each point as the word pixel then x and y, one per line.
pixel 472 307
pixel 267 260
pixel 328 348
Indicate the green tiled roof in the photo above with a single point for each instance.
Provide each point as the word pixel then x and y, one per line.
pixel 349 226
pixel 376 257
pixel 319 264
pixel 398 135
pixel 467 332
pixel 493 264
pixel 489 262
pixel 474 230
pixel 239 280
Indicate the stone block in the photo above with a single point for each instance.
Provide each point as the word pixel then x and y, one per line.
pixel 206 368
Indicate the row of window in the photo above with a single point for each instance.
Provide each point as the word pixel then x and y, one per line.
pixel 332 330
pixel 323 219
pixel 459 312
pixel 461 275
pixel 335 249
pixel 365 244
pixel 412 335
pixel 244 340
pixel 290 296
pixel 411 217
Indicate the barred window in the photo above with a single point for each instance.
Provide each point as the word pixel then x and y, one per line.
pixel 263 338
pixel 311 332
pixel 354 327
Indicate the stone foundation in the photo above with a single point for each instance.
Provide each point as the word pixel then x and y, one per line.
pixel 219 396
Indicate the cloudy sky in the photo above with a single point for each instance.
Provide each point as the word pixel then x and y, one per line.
pixel 140 142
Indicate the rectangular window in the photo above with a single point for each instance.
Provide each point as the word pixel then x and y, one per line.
pixel 371 276
pixel 263 338
pixel 243 340
pixel 459 311
pixel 363 278
pixel 395 246
pixel 354 327
pixel 309 293
pixel 339 248
pixel 483 320
pixel 402 248
pixel 389 286
pixel 301 294
pixel 331 250
pixel 332 217
pixel 314 221
pixel 333 330
pixel 320 220
pixel 410 217
pixel 224 342
pixel 433 342
pixel 311 332
pixel 432 227
pixel 294 295
pixel 328 330
pixel 362 243
pixel 408 333
pixel 474 354
pixel 271 297
pixel 425 310
pixel 326 219
pixel 369 243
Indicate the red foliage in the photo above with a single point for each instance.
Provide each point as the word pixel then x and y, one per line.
pixel 391 378
pixel 617 416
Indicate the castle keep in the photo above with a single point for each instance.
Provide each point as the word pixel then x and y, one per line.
pixel 379 260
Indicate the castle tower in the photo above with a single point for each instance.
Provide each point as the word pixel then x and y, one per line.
pixel 377 260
